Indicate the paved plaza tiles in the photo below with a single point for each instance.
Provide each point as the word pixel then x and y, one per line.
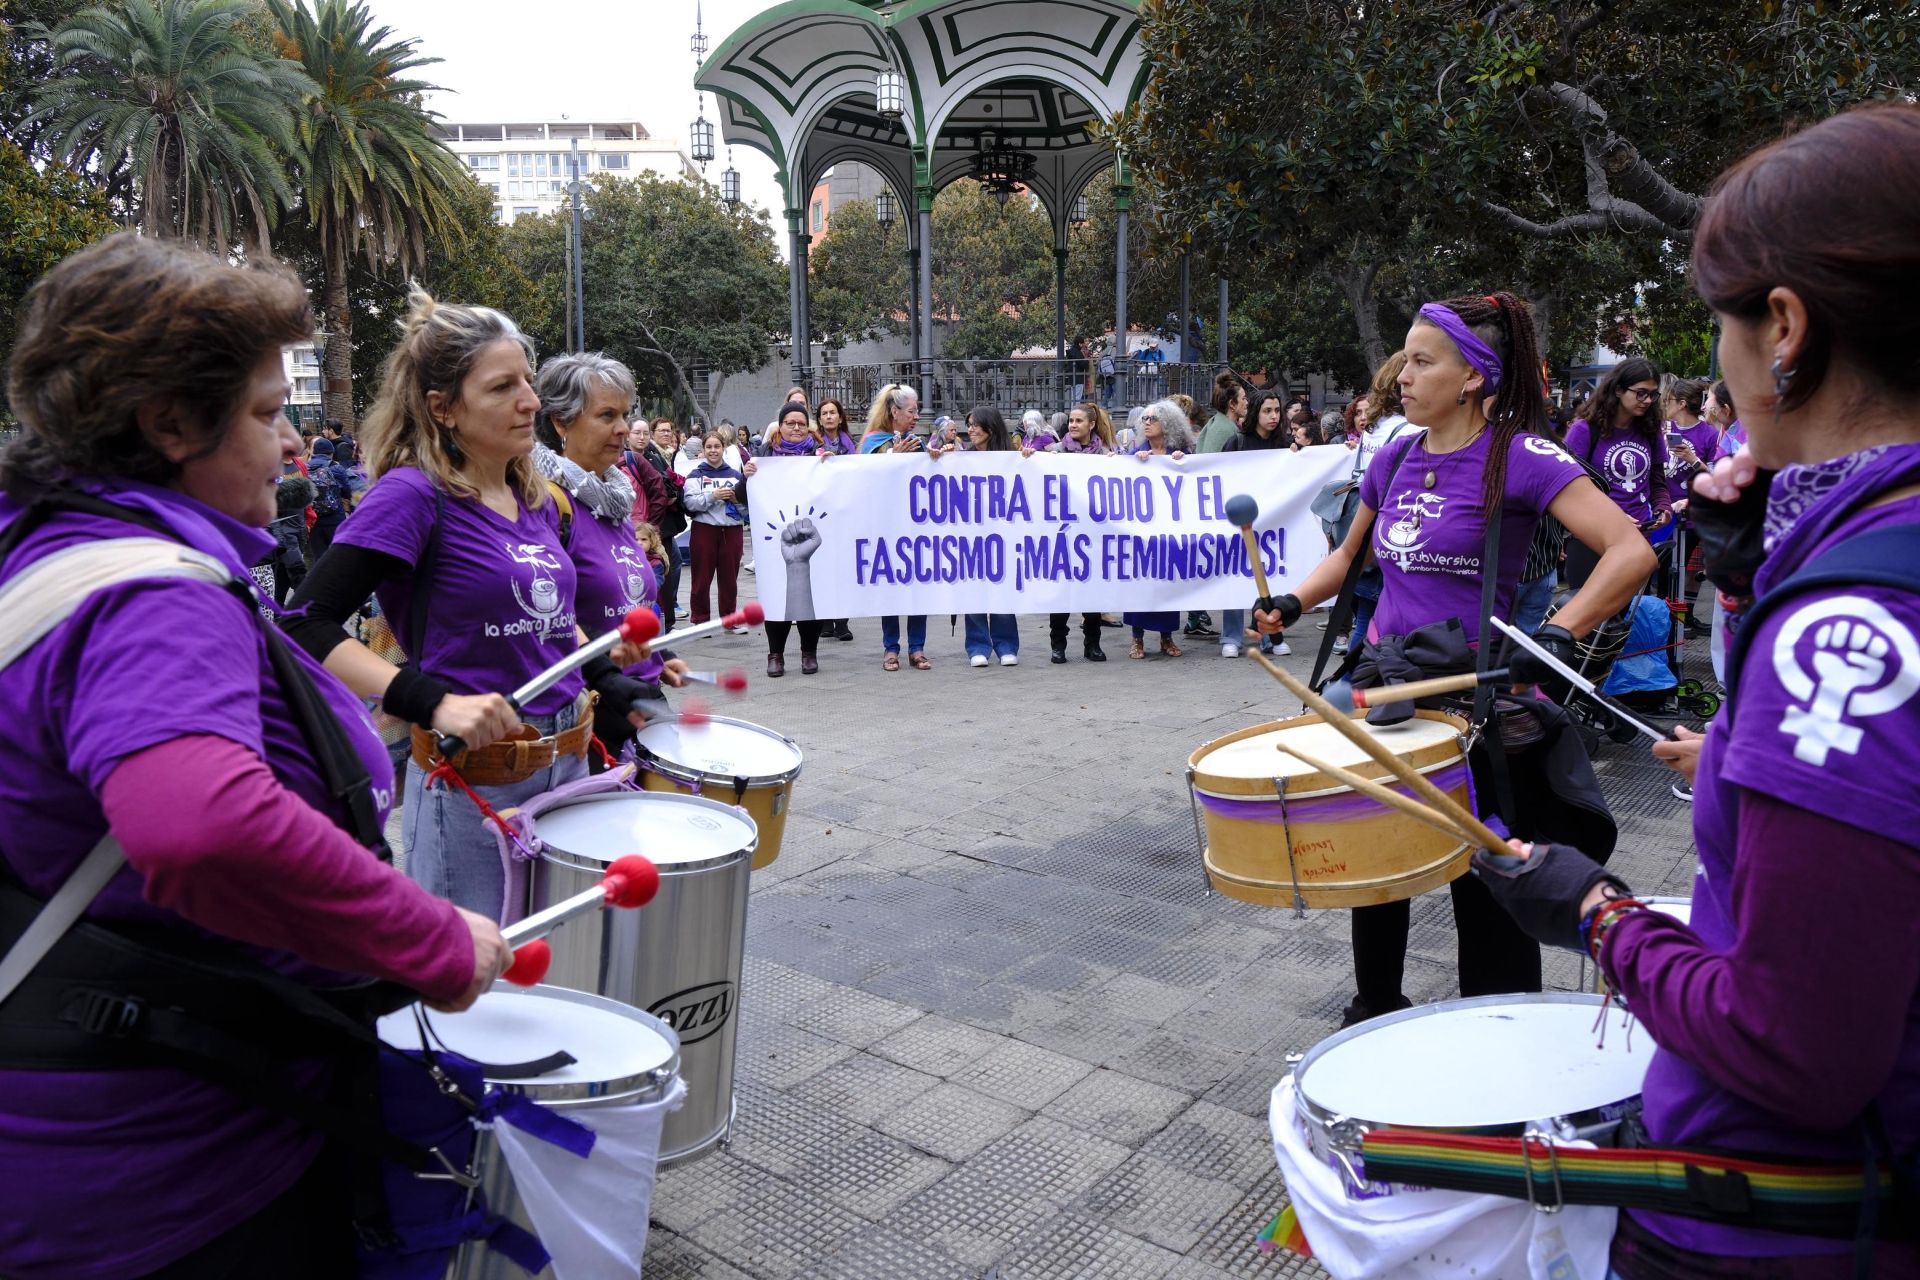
pixel 993 1023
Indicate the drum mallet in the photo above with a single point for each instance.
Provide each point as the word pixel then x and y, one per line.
pixel 747 615
pixel 734 681
pixel 1578 681
pixel 639 627
pixel 1483 835
pixel 630 882
pixel 1341 693
pixel 1242 510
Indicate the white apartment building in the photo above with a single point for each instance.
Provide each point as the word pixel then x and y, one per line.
pixel 301 363
pixel 527 165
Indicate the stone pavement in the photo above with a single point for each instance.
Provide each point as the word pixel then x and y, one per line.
pixel 993 1024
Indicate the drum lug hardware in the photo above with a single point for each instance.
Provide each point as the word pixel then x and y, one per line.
pixel 1293 1059
pixel 1545 1139
pixel 463 1177
pixel 1347 1136
pixel 1286 833
pixel 451 1088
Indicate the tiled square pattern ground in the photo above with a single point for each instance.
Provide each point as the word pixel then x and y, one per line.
pixel 992 1025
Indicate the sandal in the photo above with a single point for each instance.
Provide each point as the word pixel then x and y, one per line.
pixel 890 663
pixel 1168 649
pixel 1137 650
pixel 920 662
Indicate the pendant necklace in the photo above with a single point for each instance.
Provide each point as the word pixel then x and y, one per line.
pixel 1432 477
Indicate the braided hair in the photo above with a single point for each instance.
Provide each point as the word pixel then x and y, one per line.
pixel 1504 322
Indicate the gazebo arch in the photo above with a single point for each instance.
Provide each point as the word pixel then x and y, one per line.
pixel 801 83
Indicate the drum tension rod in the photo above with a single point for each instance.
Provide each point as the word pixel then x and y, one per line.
pixel 1286 833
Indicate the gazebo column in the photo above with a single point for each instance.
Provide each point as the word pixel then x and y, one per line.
pixel 923 206
pixel 805 377
pixel 796 292
pixel 1122 203
pixel 1221 340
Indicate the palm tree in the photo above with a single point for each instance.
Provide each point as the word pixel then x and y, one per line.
pixel 372 176
pixel 186 121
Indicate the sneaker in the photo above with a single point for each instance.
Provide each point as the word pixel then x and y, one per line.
pixel 1322 624
pixel 1009 659
pixel 1200 631
pixel 977 660
pixel 747 567
pixel 1229 650
pixel 740 631
pixel 1340 647
pixel 1683 790
pixel 1282 649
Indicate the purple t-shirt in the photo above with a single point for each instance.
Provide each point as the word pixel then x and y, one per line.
pixel 1705 439
pixel 614 578
pixel 135 666
pixel 1827 720
pixel 1429 540
pixel 1634 471
pixel 502 605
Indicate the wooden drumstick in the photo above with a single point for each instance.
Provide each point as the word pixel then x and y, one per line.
pixel 1243 511
pixel 1481 833
pixel 1385 795
pixel 1418 689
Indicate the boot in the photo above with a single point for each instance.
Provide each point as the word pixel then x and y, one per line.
pixel 1059 658
pixel 1094 653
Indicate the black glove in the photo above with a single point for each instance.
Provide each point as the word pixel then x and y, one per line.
pixel 1287 606
pixel 616 688
pixel 1731 533
pixel 1543 892
pixel 1524 666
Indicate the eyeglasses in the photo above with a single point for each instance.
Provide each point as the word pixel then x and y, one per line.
pixel 1640 393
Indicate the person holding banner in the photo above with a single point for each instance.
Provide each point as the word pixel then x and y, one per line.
pixel 1164 432
pixel 1445 566
pixel 890 423
pixel 793 437
pixel 997 633
pixel 1089 434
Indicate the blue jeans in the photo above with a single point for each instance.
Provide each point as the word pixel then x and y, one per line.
pixel 988 634
pixel 450 849
pixel 916 633
pixel 1233 626
pixel 1531 602
pixel 1363 607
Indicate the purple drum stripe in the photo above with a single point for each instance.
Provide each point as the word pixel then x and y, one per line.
pixel 1341 806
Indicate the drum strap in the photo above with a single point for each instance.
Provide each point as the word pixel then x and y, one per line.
pixel 1485 714
pixel 1828 1201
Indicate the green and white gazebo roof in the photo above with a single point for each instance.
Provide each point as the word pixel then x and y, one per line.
pixel 798 83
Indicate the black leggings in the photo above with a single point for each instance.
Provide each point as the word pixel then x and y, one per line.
pixel 809 635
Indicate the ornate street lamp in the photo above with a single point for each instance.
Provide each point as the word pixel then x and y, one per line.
pixel 885 208
pixel 701 132
pixel 730 184
pixel 1079 214
pixel 699 42
pixel 890 94
pixel 1001 169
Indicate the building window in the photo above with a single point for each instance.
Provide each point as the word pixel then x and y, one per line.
pixel 522 211
pixel 614 160
pixel 818 217
pixel 484 162
pixel 500 215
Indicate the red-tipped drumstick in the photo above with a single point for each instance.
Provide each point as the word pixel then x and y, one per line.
pixel 747 615
pixel 640 626
pixel 734 681
pixel 630 882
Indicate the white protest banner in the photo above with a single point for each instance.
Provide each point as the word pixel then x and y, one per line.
pixel 1054 533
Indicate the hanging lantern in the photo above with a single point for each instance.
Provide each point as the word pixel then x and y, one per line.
pixel 699 42
pixel 730 185
pixel 890 94
pixel 1079 214
pixel 885 208
pixel 702 134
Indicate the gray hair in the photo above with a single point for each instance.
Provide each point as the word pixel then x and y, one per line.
pixel 1173 424
pixel 1032 422
pixel 565 382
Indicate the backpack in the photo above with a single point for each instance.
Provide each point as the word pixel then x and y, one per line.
pixel 326 490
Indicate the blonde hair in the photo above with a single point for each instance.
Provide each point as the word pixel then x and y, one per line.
pixel 880 417
pixel 648 536
pixel 1101 420
pixel 1383 397
pixel 439 343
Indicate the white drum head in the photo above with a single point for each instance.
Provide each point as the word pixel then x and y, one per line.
pixel 1259 756
pixel 669 829
pixel 728 748
pixel 1680 909
pixel 1463 1064
pixel 618 1049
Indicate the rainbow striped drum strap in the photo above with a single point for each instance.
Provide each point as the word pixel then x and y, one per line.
pixel 1795 1197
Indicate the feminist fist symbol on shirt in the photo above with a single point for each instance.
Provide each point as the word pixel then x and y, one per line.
pixel 1865 663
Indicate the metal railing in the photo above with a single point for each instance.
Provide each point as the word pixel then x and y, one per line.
pixel 1012 386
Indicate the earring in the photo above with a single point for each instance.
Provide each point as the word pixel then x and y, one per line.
pixel 1782 384
pixel 1463 396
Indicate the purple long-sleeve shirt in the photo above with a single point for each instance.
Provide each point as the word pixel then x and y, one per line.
pixel 1793 1000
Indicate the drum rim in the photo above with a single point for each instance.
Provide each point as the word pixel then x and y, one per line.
pixel 1208 784
pixel 649 1085
pixel 1326 1121
pixel 574 861
pixel 755 781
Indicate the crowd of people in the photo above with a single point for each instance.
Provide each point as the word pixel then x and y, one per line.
pixel 185 1073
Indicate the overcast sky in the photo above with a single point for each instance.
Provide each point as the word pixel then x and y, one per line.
pixel 599 59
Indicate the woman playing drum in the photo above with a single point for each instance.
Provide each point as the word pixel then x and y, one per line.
pixel 1788 1011
pixel 1469 380
pixel 242 781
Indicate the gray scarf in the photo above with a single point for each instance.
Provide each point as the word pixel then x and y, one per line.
pixel 609 494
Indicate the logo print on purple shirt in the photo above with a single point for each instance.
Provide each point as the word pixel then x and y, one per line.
pixel 541 601
pixel 1864 663
pixel 1546 449
pixel 1417 507
pixel 634 585
pixel 1627 464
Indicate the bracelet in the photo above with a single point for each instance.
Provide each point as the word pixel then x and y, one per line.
pixel 1602 918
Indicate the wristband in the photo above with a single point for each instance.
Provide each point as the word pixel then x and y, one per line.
pixel 412 695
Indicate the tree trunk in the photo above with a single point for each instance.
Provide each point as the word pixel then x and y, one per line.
pixel 1356 281
pixel 336 400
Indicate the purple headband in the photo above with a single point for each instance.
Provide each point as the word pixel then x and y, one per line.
pixel 1476 353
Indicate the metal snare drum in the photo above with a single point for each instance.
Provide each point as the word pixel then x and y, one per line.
pixel 679 957
pixel 730 760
